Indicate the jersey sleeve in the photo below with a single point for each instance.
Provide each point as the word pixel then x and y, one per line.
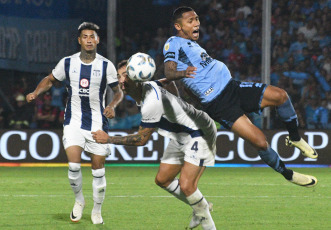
pixel 59 72
pixel 151 108
pixel 112 80
pixel 170 51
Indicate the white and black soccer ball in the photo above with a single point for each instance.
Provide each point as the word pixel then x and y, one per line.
pixel 140 67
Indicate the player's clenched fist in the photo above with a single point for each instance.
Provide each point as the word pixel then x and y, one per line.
pixel 109 112
pixel 31 97
pixel 100 137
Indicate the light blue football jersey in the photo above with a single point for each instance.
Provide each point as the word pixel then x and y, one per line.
pixel 211 76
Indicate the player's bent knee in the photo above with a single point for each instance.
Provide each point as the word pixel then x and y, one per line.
pixel 281 96
pixel 187 187
pixel 261 144
pixel 161 182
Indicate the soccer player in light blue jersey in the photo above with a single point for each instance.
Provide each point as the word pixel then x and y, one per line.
pixel 87 75
pixel 227 100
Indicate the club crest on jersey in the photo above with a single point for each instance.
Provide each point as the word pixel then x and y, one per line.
pixel 206 59
pixel 84 83
pixel 166 47
pixel 96 73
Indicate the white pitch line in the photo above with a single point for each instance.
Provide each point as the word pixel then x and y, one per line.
pixel 140 196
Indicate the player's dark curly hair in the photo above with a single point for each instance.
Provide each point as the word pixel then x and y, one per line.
pixel 122 63
pixel 178 13
pixel 88 26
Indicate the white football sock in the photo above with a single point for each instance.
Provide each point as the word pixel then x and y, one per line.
pixel 201 209
pixel 174 189
pixel 75 180
pixel 99 188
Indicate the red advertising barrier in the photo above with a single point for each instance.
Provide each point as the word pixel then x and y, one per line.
pixel 46 146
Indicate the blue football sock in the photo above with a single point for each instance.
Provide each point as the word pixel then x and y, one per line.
pixel 271 158
pixel 288 115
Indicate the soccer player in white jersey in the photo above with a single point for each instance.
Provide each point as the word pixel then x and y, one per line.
pixel 191 148
pixel 87 74
pixel 226 100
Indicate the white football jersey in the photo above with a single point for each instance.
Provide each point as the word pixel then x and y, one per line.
pixel 86 85
pixel 173 117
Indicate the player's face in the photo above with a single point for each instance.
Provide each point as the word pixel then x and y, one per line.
pixel 88 40
pixel 188 26
pixel 124 81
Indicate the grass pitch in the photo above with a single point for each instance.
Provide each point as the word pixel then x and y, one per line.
pixel 244 198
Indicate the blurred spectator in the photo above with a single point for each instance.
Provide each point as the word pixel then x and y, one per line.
pixel 321 116
pixel 21 117
pixel 243 8
pixel 297 46
pixel 309 30
pixel 128 115
pixel 310 109
pixel 236 58
pixel 47 114
pixel 57 94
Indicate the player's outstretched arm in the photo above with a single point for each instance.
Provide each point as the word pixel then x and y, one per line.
pixel 170 70
pixel 137 139
pixel 109 111
pixel 42 87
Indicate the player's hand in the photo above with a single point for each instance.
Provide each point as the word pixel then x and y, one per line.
pixel 31 97
pixel 109 112
pixel 190 72
pixel 100 137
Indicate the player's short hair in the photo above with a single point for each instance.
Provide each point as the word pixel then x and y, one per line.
pixel 88 26
pixel 122 63
pixel 178 13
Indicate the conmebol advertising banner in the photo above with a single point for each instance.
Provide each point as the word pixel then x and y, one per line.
pixel 46 146
pixel 36 45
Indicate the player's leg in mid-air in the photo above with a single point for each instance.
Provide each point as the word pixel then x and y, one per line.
pixel 274 96
pixel 248 131
pixel 186 188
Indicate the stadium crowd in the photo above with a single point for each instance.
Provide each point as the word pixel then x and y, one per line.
pixel 230 31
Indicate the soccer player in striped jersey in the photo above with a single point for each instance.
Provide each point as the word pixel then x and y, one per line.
pixel 192 144
pixel 227 100
pixel 87 75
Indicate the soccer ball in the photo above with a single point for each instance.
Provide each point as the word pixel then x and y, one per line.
pixel 140 67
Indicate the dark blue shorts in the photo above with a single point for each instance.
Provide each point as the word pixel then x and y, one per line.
pixel 237 99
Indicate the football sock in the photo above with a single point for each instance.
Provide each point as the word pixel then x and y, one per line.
pixel 292 127
pixel 174 189
pixel 99 188
pixel 288 115
pixel 75 180
pixel 200 207
pixel 272 159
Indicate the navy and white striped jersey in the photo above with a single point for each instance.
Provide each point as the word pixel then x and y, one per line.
pixel 86 85
pixel 173 117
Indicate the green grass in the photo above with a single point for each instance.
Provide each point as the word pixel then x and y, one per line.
pixel 244 198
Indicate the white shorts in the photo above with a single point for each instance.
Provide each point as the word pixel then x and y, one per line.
pixel 196 152
pixel 73 135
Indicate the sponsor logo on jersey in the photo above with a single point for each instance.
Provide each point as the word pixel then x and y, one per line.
pixel 84 91
pixel 96 73
pixel 209 91
pixel 74 70
pixel 206 59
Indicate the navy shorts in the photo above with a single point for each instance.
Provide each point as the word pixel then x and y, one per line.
pixel 237 99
